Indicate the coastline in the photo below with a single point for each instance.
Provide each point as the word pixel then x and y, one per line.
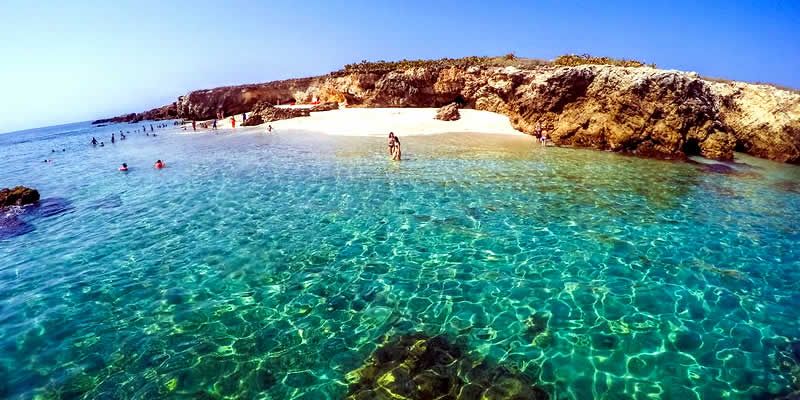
pixel 379 122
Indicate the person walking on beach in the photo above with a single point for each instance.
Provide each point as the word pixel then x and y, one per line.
pixel 194 126
pixel 390 143
pixel 269 128
pixel 233 122
pixel 244 117
pixel 214 124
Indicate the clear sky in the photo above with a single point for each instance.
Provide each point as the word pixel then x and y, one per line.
pixel 78 60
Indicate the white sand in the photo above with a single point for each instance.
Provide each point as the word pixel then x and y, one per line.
pixel 377 122
pixel 402 121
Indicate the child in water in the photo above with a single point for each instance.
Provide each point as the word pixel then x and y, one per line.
pixel 124 167
pixel 159 164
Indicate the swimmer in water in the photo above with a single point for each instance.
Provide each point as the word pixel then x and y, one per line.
pixel 102 144
pixel 124 167
pixel 159 164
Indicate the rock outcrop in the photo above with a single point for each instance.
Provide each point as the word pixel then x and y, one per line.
pixel 18 196
pixel 448 113
pixel 764 119
pixel 169 111
pixel 420 367
pixel 264 112
pixel 332 105
pixel 637 110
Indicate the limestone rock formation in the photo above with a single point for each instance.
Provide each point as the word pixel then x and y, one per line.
pixel 765 119
pixel 264 112
pixel 420 367
pixel 18 196
pixel 637 110
pixel 169 111
pixel 331 105
pixel 448 113
pixel 230 100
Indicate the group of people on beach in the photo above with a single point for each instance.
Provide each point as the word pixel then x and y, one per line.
pixel 219 117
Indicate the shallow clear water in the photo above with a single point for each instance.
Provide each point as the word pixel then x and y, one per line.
pixel 270 266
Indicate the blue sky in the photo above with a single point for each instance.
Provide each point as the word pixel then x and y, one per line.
pixel 79 60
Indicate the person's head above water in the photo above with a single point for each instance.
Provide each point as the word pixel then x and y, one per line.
pixel 124 165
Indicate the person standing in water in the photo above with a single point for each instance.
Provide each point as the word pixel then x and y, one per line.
pixel 396 154
pixel 543 138
pixel 390 143
pixel 151 127
pixel 269 128
pixel 113 140
pixel 233 122
pixel 94 141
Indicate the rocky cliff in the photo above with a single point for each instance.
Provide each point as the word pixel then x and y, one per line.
pixel 638 110
pixel 169 111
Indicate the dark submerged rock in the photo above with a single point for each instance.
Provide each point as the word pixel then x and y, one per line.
pixel 796 350
pixel 51 207
pixel 11 226
pixel 421 367
pixel 111 201
pixel 718 168
pixel 18 196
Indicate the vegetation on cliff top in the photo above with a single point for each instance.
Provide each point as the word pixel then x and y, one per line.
pixel 509 60
pixel 571 60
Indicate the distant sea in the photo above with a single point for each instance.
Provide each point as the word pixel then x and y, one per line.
pixel 270 266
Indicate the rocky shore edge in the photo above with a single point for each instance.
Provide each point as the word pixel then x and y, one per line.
pixel 623 107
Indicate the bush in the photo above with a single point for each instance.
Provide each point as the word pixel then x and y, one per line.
pixel 385 66
pixel 572 60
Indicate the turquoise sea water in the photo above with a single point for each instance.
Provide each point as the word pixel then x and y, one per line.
pixel 260 266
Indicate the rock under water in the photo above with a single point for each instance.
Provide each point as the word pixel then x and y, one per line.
pixel 18 222
pixel 421 367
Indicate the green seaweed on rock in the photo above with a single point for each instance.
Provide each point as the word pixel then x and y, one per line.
pixel 416 366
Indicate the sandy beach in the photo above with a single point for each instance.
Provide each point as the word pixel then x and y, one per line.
pixel 381 121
